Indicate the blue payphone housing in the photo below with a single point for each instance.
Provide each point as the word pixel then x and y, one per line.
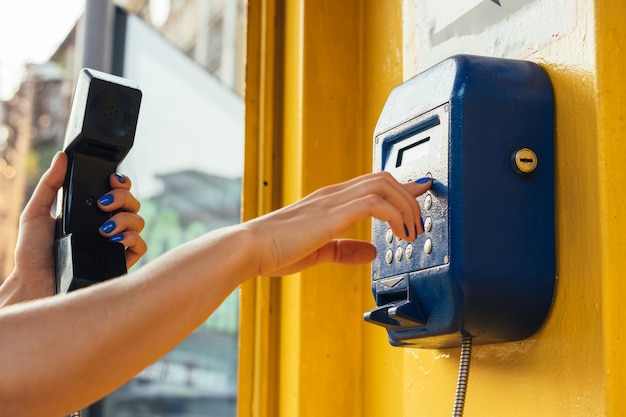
pixel 483 128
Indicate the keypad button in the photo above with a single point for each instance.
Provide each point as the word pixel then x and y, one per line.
pixel 408 252
pixel 428 246
pixel 389 236
pixel 428 224
pixel 389 256
pixel 428 202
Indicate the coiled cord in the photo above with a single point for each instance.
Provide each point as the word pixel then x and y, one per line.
pixel 461 384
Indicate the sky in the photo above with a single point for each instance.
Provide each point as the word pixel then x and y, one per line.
pixel 30 32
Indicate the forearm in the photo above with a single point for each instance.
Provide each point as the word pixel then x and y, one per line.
pixel 111 331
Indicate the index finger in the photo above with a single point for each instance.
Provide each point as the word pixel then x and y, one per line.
pixel 419 186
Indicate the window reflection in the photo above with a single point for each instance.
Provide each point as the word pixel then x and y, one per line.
pixel 186 167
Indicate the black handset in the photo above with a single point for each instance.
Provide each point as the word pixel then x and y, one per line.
pixel 100 133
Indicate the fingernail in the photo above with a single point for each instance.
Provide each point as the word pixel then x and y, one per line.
pixel 105 200
pixel 423 180
pixel 120 178
pixel 108 226
pixel 422 223
pixel 117 238
pixel 415 229
pixel 406 231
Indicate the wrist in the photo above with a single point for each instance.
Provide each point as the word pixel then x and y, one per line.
pixel 238 249
pixel 15 289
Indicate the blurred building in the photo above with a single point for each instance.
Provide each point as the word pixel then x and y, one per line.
pixel 211 32
pixel 32 130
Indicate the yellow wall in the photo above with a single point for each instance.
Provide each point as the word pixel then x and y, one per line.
pixel 318 75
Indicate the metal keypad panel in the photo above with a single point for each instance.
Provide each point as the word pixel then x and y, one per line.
pixel 416 149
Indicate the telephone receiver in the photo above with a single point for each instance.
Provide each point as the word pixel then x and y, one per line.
pixel 99 135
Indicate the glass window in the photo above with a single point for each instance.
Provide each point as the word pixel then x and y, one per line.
pixel 186 167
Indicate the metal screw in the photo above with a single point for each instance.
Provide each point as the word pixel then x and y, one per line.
pixel 524 161
pixel 428 224
pixel 428 246
pixel 399 252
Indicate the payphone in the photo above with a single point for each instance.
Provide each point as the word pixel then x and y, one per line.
pixel 483 129
pixel 100 133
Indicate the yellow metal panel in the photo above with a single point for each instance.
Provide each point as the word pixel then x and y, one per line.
pixel 320 322
pixel 383 370
pixel 315 128
pixel 289 344
pixel 611 57
pixel 258 354
pixel 341 58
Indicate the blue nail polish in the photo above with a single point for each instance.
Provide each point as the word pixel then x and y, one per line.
pixel 422 223
pixel 423 180
pixel 105 200
pixel 406 230
pixel 120 178
pixel 117 238
pixel 108 227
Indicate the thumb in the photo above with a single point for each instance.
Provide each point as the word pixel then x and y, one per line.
pixel 340 251
pixel 46 191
